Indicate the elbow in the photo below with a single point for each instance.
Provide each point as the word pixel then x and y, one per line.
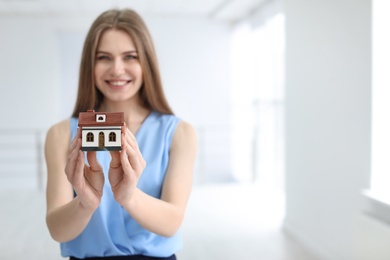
pixel 55 235
pixel 169 232
pixel 55 232
pixel 172 226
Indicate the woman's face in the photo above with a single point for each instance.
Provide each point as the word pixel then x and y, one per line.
pixel 118 73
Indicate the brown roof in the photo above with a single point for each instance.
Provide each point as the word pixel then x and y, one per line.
pixel 112 118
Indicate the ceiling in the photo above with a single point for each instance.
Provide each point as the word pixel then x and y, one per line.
pixel 225 10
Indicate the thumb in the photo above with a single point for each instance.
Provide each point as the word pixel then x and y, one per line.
pixel 115 159
pixel 93 162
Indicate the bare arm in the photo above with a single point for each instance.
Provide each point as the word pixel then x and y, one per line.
pixel 164 216
pixel 66 216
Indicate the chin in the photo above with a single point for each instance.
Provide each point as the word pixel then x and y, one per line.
pixel 120 98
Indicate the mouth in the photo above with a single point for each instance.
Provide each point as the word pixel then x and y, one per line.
pixel 117 83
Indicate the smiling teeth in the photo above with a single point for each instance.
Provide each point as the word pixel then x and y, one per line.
pixel 118 83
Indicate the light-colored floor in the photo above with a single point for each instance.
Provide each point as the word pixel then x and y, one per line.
pixel 223 222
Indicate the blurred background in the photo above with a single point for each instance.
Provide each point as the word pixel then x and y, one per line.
pixel 289 99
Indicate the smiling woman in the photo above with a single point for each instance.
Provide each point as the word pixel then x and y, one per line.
pixel 118 72
pixel 126 204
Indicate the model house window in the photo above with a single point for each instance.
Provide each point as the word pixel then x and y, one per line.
pixel 100 118
pixel 112 137
pixel 90 137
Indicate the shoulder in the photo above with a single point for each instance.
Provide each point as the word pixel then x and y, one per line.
pixel 59 129
pixel 184 137
pixel 164 117
pixel 184 134
pixel 185 129
pixel 59 133
pixel 165 123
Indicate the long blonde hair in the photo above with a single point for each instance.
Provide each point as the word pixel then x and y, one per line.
pixel 151 92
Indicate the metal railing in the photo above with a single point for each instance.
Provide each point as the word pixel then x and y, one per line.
pixel 22 162
pixel 21 158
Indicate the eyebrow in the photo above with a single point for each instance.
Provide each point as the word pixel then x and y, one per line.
pixel 126 52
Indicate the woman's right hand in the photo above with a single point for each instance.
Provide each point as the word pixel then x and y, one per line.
pixel 87 181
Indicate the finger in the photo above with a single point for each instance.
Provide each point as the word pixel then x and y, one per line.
pixel 115 159
pixel 143 162
pixel 74 167
pixel 133 158
pixel 127 141
pixel 130 137
pixel 93 162
pixel 78 174
pixel 127 169
pixel 94 178
pixel 131 140
pixel 71 161
pixel 74 142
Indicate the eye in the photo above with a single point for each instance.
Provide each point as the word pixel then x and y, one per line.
pixel 103 57
pixel 131 57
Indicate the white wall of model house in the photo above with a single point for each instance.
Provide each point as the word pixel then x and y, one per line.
pixel 101 137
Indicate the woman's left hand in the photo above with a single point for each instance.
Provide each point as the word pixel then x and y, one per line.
pixel 126 168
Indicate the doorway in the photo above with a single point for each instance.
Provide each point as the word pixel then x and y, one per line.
pixel 101 140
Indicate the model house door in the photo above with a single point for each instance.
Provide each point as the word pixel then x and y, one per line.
pixel 101 139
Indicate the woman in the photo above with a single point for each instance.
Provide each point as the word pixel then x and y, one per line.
pixel 130 203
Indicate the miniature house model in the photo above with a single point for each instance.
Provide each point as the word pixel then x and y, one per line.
pixel 101 130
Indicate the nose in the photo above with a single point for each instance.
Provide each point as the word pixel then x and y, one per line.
pixel 118 67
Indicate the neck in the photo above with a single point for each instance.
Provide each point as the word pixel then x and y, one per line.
pixel 134 112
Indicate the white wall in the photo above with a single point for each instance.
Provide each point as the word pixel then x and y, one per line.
pixel 328 94
pixel 40 63
pixel 194 56
pixel 29 72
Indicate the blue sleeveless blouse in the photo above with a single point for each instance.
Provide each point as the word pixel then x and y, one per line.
pixel 111 230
